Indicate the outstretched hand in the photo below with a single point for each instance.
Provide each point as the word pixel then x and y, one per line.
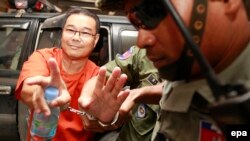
pixel 55 80
pixel 102 99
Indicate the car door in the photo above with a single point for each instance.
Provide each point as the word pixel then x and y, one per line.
pixel 16 40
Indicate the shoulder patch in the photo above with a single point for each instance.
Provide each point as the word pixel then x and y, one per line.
pixel 152 80
pixel 126 54
pixel 141 111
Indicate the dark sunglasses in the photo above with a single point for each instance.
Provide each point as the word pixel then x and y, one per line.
pixel 148 14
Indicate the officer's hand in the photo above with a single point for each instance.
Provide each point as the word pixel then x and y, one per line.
pixel 42 82
pixel 103 100
pixel 128 104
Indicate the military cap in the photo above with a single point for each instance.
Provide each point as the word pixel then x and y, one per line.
pixel 110 4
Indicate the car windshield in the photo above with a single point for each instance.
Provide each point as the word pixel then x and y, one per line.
pixel 11 42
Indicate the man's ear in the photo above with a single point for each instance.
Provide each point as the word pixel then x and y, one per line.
pixel 232 6
pixel 97 36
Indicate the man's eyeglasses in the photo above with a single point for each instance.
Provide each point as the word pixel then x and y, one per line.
pixel 148 14
pixel 83 35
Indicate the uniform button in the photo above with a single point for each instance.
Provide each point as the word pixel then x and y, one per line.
pixel 198 25
pixel 196 39
pixel 200 8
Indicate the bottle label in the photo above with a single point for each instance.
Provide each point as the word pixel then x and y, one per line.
pixel 44 126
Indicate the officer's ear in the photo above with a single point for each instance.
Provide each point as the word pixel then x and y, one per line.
pixel 232 6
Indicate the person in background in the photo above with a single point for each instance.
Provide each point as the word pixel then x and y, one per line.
pixel 140 72
pixel 67 68
pixel 224 44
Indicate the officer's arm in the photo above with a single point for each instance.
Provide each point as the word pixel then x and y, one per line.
pixel 147 94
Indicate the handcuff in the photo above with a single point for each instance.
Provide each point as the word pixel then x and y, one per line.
pixel 112 123
pixel 90 117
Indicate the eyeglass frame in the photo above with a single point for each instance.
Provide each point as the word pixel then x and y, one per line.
pixel 82 34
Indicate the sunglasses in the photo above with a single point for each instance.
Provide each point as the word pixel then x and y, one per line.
pixel 148 14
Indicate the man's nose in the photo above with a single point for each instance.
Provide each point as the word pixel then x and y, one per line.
pixel 145 38
pixel 77 35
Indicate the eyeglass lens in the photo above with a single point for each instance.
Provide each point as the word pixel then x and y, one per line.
pixel 148 14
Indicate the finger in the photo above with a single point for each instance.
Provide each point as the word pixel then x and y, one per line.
pixel 122 96
pixel 54 71
pixel 39 102
pixel 119 85
pixel 38 80
pixel 90 93
pixel 100 80
pixel 112 79
pixel 84 103
pixel 63 98
pixel 92 89
pixel 128 103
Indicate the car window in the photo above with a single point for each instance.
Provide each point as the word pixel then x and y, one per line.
pixel 49 38
pixel 125 36
pixel 100 54
pixel 11 42
pixel 128 39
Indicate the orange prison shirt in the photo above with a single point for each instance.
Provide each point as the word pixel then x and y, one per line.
pixel 70 127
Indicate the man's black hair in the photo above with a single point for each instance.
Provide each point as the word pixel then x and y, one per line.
pixel 78 10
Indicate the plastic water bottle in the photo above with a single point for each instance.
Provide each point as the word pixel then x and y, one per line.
pixel 43 127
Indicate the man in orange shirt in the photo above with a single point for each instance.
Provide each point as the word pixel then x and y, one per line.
pixel 66 68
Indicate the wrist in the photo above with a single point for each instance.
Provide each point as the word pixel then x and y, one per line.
pixel 113 121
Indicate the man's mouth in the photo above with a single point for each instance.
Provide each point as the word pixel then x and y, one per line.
pixel 74 47
pixel 158 62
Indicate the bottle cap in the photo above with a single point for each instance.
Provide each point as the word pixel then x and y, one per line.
pixel 51 93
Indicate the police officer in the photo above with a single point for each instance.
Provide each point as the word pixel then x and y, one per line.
pixel 140 72
pixel 222 30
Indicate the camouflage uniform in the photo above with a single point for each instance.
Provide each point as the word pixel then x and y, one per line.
pixel 183 115
pixel 140 72
pixel 186 118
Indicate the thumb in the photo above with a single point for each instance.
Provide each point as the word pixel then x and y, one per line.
pixel 54 71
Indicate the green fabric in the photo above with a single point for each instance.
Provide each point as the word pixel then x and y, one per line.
pixel 140 72
pixel 180 119
pixel 139 128
pixel 137 67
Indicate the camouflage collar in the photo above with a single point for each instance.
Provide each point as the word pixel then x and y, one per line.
pixel 180 98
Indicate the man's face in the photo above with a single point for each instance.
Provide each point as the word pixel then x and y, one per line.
pixel 162 39
pixel 79 36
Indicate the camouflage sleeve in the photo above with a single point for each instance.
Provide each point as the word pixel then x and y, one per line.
pixel 136 66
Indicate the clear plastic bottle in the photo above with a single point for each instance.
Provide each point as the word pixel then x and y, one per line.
pixel 43 128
